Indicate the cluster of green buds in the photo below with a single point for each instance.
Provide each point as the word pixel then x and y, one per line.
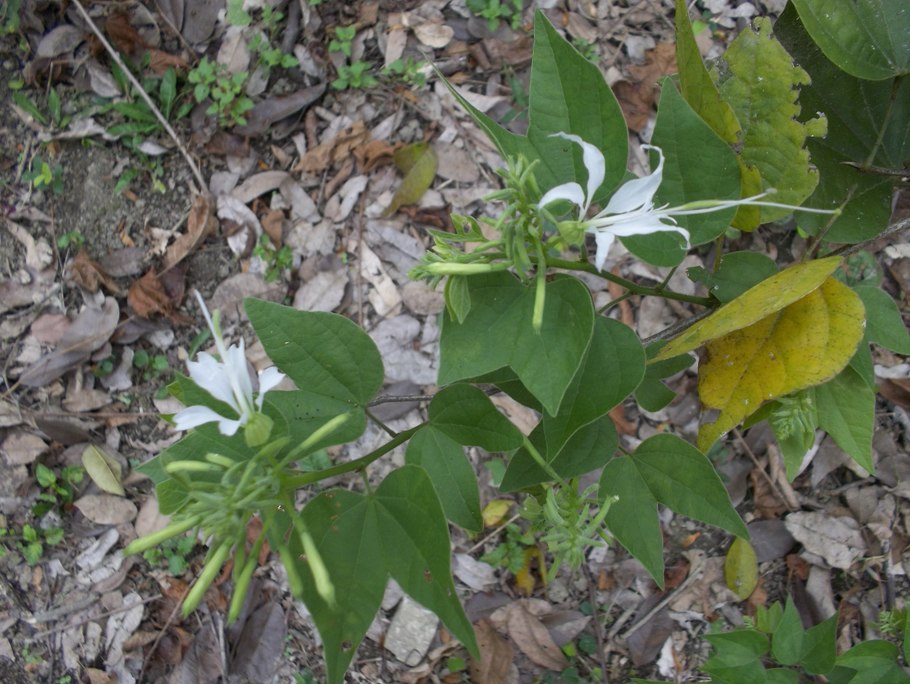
pixel 573 521
pixel 520 242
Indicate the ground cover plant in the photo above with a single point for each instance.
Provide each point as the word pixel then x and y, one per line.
pixel 790 345
pixel 582 414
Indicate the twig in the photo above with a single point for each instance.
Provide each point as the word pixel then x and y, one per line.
pixel 847 250
pixel 164 627
pixel 492 534
pixel 85 621
pixel 145 96
pixel 771 483
pixel 388 398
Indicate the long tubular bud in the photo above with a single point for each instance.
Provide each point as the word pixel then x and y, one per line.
pixel 242 585
pixel 172 530
pixel 209 572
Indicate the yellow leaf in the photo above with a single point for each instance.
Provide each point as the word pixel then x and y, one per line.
pixel 741 568
pixel 418 164
pixel 524 578
pixel 104 469
pixel 769 296
pixel 495 512
pixel 799 346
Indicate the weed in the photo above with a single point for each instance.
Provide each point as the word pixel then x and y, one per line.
pixel 585 49
pixel 407 70
pixel 30 541
pixel 151 367
pixel 276 261
pixel 212 80
pixel 355 75
pixel 58 491
pixel 43 175
pixel 495 10
pixel 510 553
pixel 173 553
pixel 71 238
pixel 344 36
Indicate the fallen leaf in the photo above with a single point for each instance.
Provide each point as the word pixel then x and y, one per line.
pixel 106 509
pixel 104 469
pixel 21 447
pixel 496 655
pixel 531 636
pixel 274 109
pixel 331 151
pixel 838 540
pixel 434 35
pixel 741 568
pixel 495 512
pixel 60 40
pixel 148 298
pixel 200 224
pixel 417 162
pixel 89 274
pixel 124 37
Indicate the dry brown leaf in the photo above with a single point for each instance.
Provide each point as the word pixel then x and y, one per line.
pixel 200 223
pixel 331 151
pixel 623 426
pixel 637 97
pixel 768 504
pixel 88 274
pixel 106 509
pixel 531 636
pixel 160 61
pixel 272 224
pixel 495 655
pixel 21 447
pixel 49 328
pixel 148 298
pixel 124 37
pixel 274 109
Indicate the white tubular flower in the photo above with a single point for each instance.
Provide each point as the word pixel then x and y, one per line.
pixel 631 210
pixel 227 380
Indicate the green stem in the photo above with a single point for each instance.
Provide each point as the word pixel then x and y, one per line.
pixel 304 479
pixel 547 468
pixel 634 288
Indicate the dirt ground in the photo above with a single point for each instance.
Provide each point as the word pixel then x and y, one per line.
pixel 73 609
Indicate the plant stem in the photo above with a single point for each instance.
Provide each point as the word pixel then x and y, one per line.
pixel 304 479
pixel 634 288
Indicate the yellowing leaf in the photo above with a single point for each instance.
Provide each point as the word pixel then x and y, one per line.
pixel 769 296
pixel 104 470
pixel 418 164
pixel 799 346
pixel 524 578
pixel 741 568
pixel 762 89
pixel 495 512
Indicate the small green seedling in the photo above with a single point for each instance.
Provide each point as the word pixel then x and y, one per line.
pixel 30 542
pixel 407 70
pixel 212 80
pixel 495 10
pixel 71 238
pixel 151 367
pixel 43 175
pixel 356 75
pixel 173 553
pixel 276 261
pixel 344 37
pixel 57 491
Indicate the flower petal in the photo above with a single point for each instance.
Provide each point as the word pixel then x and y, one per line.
pixel 638 192
pixel 604 240
pixel 236 364
pixel 268 379
pixel 645 225
pixel 571 192
pixel 594 163
pixel 212 376
pixel 193 416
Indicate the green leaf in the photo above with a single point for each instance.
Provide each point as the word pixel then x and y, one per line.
pixel 567 94
pixel 884 324
pixel 688 143
pixel 846 411
pixel 587 449
pixel 633 518
pixel 741 568
pixel 545 362
pixel 696 83
pixel 304 413
pixel 167 91
pixel 737 272
pixel 415 546
pixel 874 661
pixel 664 469
pixel 458 297
pixel 867 123
pixel 613 366
pixel 737 657
pixel 652 394
pixel 820 647
pixel 869 39
pixel 344 529
pixel 787 639
pixel 451 473
pixel 466 415
pixel 762 89
pixel 325 354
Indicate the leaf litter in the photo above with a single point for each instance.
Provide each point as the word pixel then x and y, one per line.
pixel 311 168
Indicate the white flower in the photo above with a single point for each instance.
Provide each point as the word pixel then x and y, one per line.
pixel 631 210
pixel 227 380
